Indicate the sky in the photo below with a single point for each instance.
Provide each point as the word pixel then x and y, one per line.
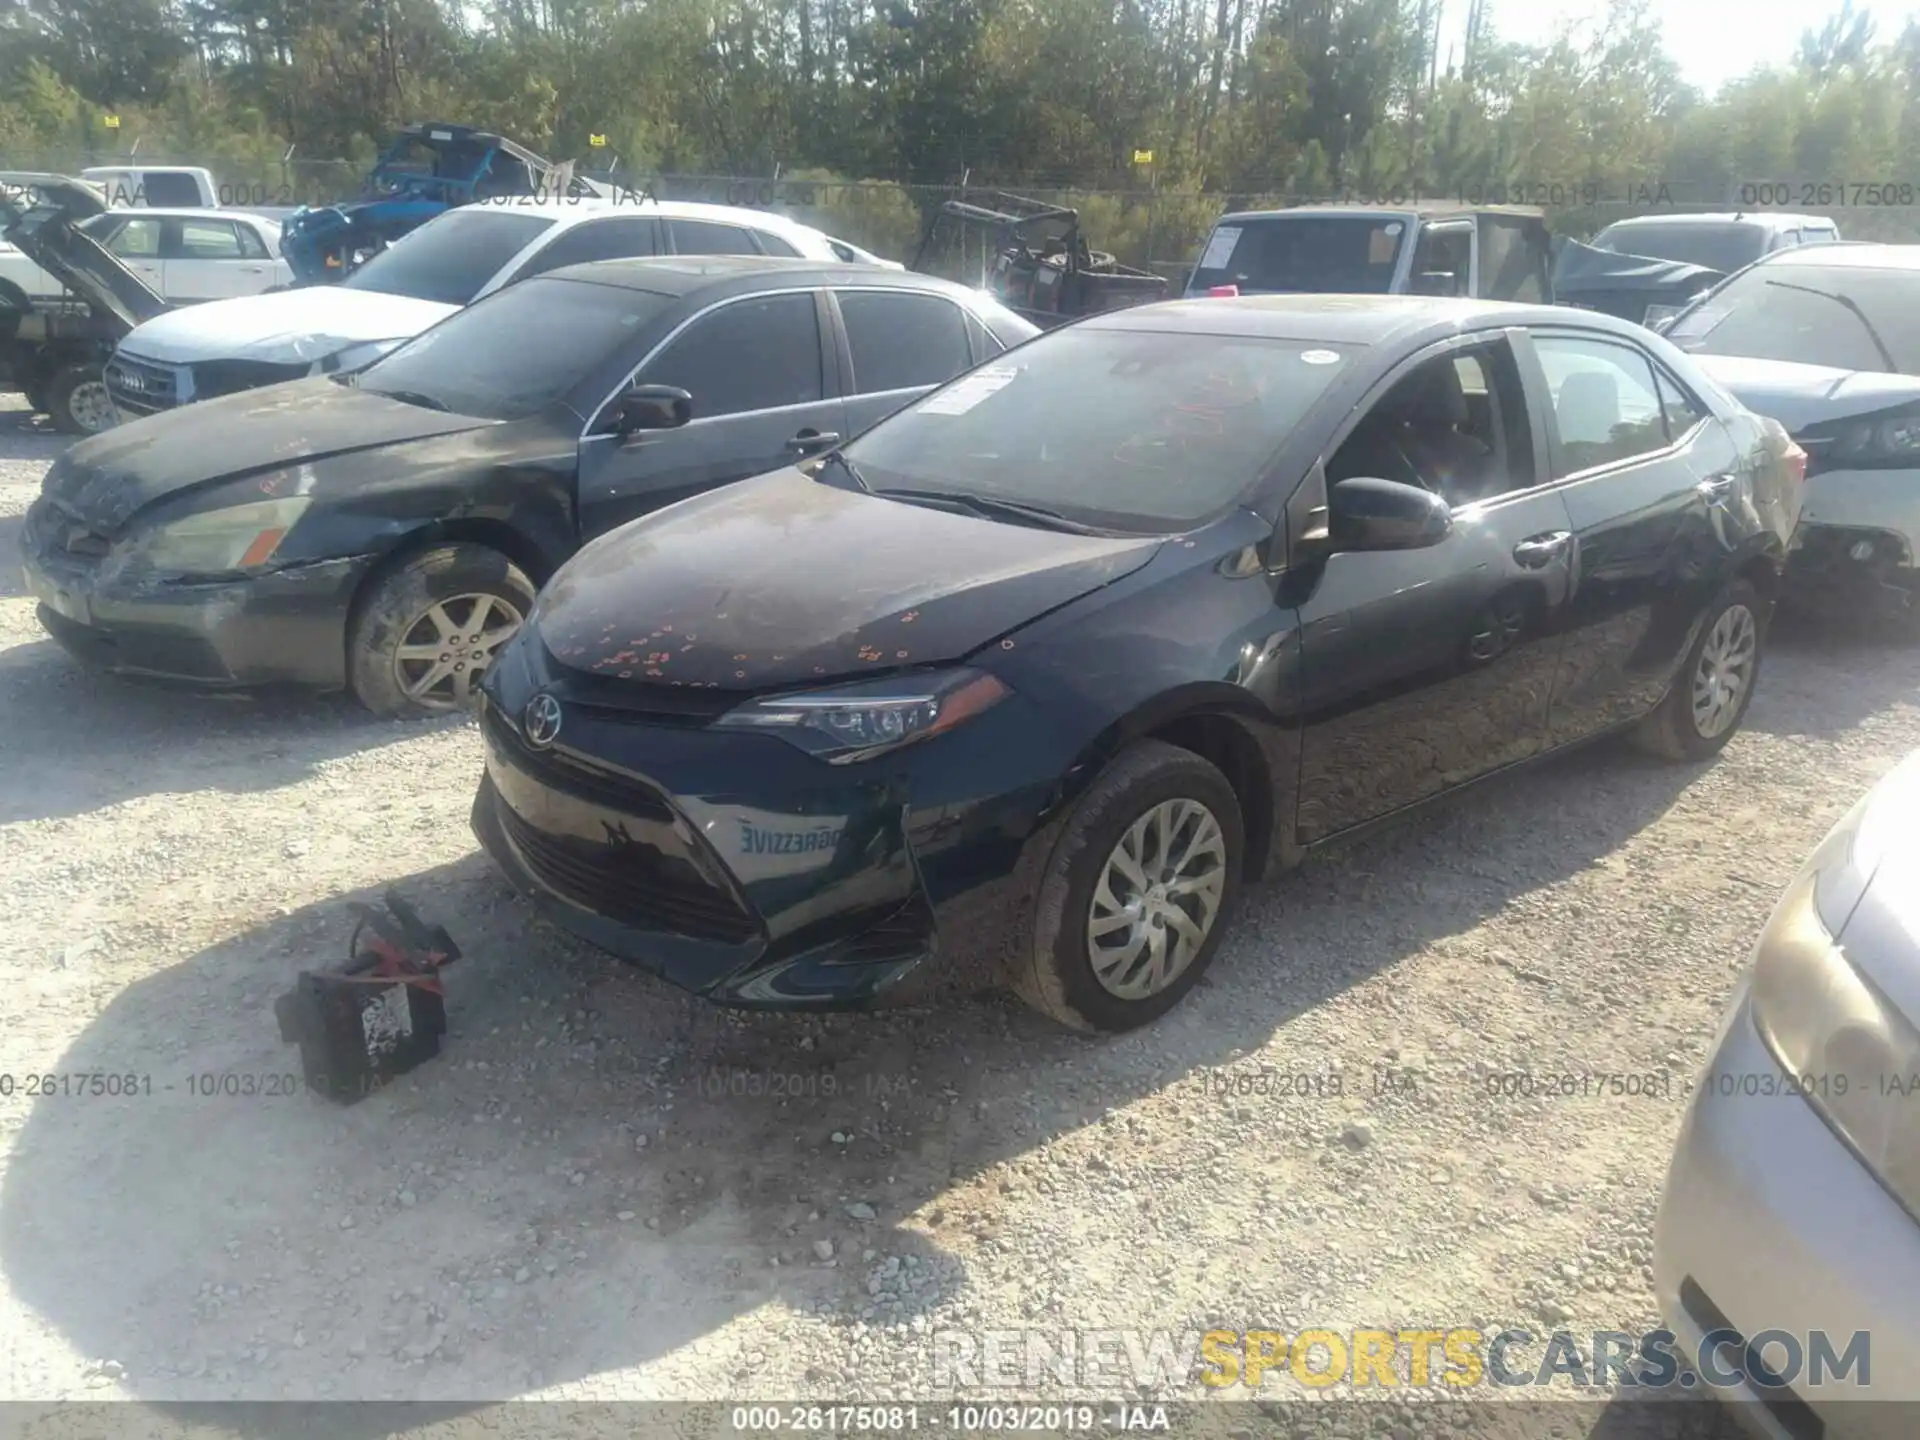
pixel 1712 40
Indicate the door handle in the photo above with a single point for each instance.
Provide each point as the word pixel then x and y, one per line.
pixel 1537 551
pixel 810 442
pixel 1718 488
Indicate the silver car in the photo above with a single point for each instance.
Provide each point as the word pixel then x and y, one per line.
pixel 1790 1205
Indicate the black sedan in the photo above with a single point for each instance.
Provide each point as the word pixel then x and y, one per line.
pixel 386 531
pixel 1023 684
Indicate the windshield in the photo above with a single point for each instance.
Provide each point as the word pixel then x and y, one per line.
pixel 1134 430
pixel 1725 248
pixel 1311 254
pixel 1843 317
pixel 450 258
pixel 561 331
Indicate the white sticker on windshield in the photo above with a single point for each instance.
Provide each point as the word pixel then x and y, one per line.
pixel 963 395
pixel 1220 247
pixel 1320 357
pixel 1392 229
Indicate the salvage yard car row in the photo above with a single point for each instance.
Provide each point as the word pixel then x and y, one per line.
pixel 837 640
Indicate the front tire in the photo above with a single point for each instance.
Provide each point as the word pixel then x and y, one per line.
pixel 426 629
pixel 1140 888
pixel 77 399
pixel 1711 693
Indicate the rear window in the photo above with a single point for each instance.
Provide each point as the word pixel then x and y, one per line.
pixel 1718 247
pixel 176 191
pixel 449 259
pixel 1313 254
pixel 1843 317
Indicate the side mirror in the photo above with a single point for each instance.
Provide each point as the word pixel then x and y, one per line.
pixel 1436 282
pixel 651 407
pixel 1369 514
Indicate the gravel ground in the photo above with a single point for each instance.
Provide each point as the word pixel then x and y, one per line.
pixel 562 1204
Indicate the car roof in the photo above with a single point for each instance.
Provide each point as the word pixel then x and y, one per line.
pixel 1768 220
pixel 1850 255
pixel 571 211
pixel 682 276
pixel 1417 209
pixel 188 212
pixel 1364 320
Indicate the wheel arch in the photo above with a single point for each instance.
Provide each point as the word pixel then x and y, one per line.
pixel 532 559
pixel 1224 726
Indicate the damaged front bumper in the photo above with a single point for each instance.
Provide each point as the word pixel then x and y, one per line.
pixel 1854 551
pixel 749 872
pixel 284 627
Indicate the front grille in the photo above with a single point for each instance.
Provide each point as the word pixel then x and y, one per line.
pixel 138 385
pixel 631 882
pixel 558 771
pixel 212 378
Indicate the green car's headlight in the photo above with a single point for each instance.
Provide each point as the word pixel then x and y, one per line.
pixel 239 537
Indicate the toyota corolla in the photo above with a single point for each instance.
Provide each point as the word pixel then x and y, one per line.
pixel 1025 683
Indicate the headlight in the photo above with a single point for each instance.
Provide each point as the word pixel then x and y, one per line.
pixel 1848 1050
pixel 239 537
pixel 855 722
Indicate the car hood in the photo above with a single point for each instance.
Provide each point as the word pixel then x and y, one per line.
pixel 106 479
pixel 1867 886
pixel 785 581
pixel 1801 395
pixel 308 323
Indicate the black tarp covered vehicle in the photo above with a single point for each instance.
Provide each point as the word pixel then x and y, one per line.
pixel 54 353
pixel 1633 287
pixel 1032 258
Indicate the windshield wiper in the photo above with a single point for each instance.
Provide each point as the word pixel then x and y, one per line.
pixel 412 397
pixel 834 457
pixel 1893 366
pixel 991 508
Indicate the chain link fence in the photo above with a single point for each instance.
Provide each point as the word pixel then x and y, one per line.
pixel 1149 228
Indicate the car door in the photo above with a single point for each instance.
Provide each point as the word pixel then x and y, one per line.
pixel 1643 477
pixel 206 258
pixel 138 242
pixel 1423 669
pixel 897 344
pixel 765 392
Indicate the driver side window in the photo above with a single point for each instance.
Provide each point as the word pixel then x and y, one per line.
pixel 1455 425
pixel 758 354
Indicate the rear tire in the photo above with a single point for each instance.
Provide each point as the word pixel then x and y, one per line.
pixel 1710 695
pixel 425 630
pixel 77 400
pixel 1108 952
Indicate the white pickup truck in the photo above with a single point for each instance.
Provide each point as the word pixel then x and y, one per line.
pixel 186 256
pixel 186 187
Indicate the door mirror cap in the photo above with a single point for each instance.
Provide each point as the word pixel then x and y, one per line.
pixel 1370 514
pixel 651 407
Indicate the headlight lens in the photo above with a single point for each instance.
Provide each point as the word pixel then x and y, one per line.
pixel 1853 1055
pixel 240 537
pixel 855 722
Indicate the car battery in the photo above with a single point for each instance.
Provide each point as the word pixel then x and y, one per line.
pixel 380 1015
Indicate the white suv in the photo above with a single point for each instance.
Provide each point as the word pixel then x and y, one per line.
pixel 203 351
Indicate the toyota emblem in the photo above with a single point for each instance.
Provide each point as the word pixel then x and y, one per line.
pixel 542 721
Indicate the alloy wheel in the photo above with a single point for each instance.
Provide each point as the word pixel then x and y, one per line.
pixel 93 408
pixel 449 646
pixel 1725 672
pixel 1157 898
